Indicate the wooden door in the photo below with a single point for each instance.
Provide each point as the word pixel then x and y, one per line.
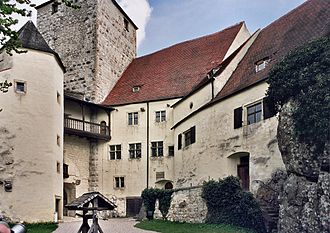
pixel 243 174
pixel 133 206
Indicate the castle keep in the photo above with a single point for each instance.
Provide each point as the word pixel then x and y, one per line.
pixel 91 116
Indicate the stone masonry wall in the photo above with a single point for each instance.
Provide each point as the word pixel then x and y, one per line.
pixel 187 205
pixel 72 34
pixel 93 43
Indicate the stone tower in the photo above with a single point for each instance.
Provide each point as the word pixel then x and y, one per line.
pixel 95 42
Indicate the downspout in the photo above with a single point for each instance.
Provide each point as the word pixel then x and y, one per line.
pixel 147 144
pixel 212 86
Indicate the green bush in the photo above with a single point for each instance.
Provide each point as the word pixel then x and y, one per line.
pixel 227 203
pixel 304 76
pixel 149 197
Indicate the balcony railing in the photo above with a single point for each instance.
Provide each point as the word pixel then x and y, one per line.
pixel 86 129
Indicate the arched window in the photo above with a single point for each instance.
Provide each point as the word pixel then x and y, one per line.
pixel 103 129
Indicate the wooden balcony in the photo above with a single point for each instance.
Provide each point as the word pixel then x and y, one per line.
pixel 86 129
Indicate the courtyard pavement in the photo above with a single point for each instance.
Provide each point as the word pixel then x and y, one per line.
pixel 115 225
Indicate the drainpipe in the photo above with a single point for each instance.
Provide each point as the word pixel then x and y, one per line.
pixel 147 144
pixel 212 85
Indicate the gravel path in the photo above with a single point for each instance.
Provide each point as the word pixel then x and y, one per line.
pixel 116 225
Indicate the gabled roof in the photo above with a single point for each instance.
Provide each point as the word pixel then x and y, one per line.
pixel 172 72
pixel 309 21
pixel 87 198
pixel 31 38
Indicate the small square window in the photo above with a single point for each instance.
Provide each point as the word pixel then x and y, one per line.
pixel 254 113
pixel 160 175
pixel 133 118
pixel 119 182
pixel 20 87
pixel 115 152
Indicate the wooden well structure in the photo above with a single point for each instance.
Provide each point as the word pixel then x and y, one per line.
pixel 90 204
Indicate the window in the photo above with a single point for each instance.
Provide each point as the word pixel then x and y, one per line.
pixel 171 151
pixel 58 140
pixel 135 150
pixel 54 8
pixel 133 118
pixel 136 89
pixel 254 113
pixel 58 97
pixel 58 167
pixel 126 24
pixel 160 116
pixel 115 152
pixel 65 171
pixel 190 136
pixel 160 175
pixel 260 65
pixel 20 87
pixel 120 182
pixel 157 149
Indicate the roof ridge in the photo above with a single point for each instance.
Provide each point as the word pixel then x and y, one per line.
pixel 194 39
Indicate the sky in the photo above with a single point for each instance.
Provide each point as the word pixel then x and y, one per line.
pixel 163 23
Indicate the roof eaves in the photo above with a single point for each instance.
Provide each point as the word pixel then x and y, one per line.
pixel 124 13
pixel 215 71
pixel 43 4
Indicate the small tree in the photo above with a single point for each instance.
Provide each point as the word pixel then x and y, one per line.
pixel 9 38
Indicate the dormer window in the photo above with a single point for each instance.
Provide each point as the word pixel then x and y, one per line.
pixel 136 89
pixel 261 64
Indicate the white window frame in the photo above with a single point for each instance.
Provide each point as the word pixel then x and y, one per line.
pixel 135 150
pixel 133 118
pixel 160 116
pixel 116 152
pixel 121 182
pixel 19 91
pixel 157 149
pixel 261 64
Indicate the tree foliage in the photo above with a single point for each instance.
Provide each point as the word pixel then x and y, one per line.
pixel 227 203
pixel 9 38
pixel 304 76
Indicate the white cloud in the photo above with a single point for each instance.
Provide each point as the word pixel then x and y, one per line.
pixel 139 11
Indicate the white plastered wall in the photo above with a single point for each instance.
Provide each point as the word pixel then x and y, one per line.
pixel 30 125
pixel 216 140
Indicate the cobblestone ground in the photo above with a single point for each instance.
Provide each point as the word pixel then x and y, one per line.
pixel 116 225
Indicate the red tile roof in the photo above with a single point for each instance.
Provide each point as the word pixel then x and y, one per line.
pixel 174 71
pixel 309 21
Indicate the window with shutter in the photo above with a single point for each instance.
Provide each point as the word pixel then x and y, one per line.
pixel 179 141
pixel 238 117
pixel 269 109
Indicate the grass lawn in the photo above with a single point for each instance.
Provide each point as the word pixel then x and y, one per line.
pixel 41 227
pixel 175 227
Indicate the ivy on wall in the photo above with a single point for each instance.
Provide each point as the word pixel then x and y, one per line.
pixel 227 203
pixel 304 76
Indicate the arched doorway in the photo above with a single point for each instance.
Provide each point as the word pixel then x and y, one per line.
pixel 241 162
pixel 168 185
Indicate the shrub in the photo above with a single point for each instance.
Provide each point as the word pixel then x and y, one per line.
pixel 150 196
pixel 227 203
